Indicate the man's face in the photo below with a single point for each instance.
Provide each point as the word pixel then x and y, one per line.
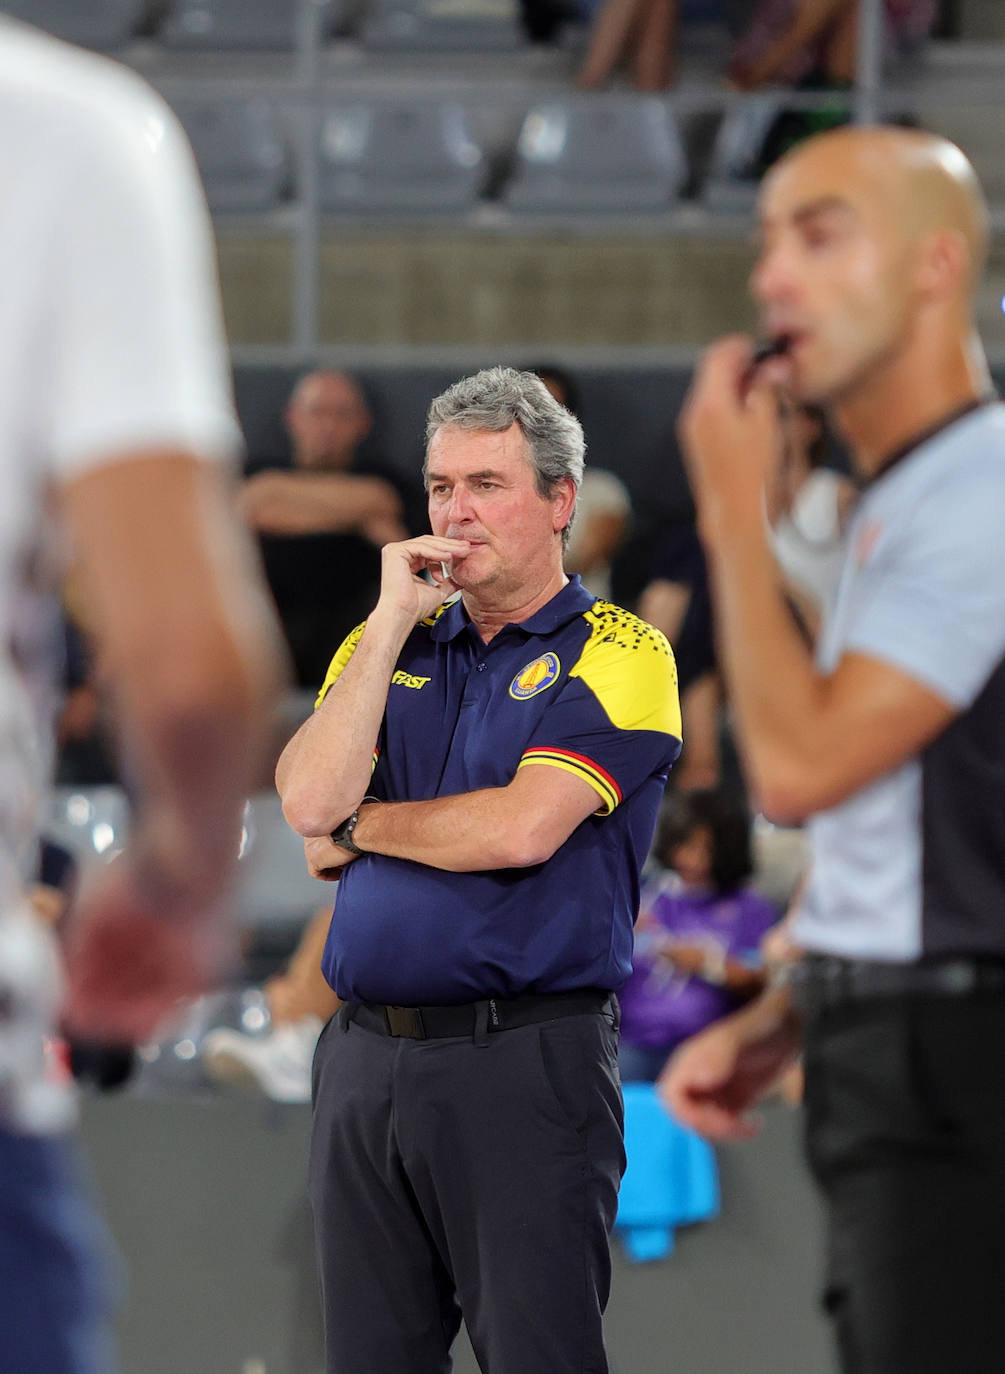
pixel 482 488
pixel 327 421
pixel 834 273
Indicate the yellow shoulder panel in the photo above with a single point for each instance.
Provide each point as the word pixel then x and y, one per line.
pixel 345 652
pixel 629 667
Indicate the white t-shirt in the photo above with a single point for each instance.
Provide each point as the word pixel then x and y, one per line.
pixel 111 339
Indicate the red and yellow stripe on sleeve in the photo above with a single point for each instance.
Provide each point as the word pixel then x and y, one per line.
pixel 581 767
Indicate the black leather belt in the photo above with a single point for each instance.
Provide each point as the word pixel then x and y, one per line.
pixel 472 1018
pixel 823 980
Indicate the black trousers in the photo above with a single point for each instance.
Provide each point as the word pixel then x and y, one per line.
pixel 906 1137
pixel 450 1177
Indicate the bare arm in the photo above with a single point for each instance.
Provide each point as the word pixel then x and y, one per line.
pixel 808 739
pixel 515 826
pixel 323 772
pixel 714 1078
pixel 810 21
pixel 195 662
pixel 276 502
pixel 664 604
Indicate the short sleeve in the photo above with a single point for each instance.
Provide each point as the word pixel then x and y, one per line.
pixel 337 666
pixel 616 721
pixel 930 600
pixel 138 353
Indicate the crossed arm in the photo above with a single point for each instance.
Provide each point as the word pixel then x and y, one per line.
pixel 279 502
pixel 324 772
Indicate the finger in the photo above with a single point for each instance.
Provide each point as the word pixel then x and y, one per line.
pixel 429 546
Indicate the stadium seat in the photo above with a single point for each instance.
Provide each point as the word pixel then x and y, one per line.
pixel 598 154
pixel 103 24
pixel 443 25
pixel 241 153
pixel 92 822
pixel 250 24
pixel 733 171
pixel 413 158
pixel 274 887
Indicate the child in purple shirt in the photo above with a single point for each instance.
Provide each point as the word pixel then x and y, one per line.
pixel 698 935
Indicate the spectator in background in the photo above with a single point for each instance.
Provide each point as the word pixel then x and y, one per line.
pixel 642 33
pixel 699 932
pixel 321 524
pixel 813 42
pixel 677 601
pixel 604 507
pixel 808 506
pixel 278 1063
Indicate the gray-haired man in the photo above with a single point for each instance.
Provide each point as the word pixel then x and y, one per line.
pixel 511 744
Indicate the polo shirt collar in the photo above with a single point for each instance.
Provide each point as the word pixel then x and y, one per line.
pixel 564 606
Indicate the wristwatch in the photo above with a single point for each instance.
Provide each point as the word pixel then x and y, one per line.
pixel 343 835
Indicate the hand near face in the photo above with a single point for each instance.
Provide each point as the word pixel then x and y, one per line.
pixel 730 437
pixel 404 592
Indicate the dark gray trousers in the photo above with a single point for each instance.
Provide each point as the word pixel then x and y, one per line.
pixel 449 1178
pixel 906 1134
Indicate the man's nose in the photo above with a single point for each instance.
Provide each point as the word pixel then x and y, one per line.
pixel 771 281
pixel 459 505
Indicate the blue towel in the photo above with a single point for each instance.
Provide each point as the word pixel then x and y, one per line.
pixel 671 1178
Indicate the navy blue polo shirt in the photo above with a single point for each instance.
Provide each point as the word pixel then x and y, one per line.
pixel 582 685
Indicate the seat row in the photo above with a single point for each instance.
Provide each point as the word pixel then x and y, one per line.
pixel 272 25
pixel 577 154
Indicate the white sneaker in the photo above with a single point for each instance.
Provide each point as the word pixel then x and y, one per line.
pixel 277 1064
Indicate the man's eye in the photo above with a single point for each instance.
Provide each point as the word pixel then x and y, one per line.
pixel 488 486
pixel 438 489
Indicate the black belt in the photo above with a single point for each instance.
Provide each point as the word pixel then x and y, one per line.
pixel 823 980
pixel 474 1018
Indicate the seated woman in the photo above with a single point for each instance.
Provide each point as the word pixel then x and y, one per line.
pixel 699 931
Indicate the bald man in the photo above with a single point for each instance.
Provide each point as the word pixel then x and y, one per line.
pixel 322 522
pixel 890 743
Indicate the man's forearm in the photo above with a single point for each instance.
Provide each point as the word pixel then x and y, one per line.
pixel 289 503
pixel 472 832
pixel 324 771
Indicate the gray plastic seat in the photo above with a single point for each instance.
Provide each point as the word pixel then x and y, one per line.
pixel 241 153
pixel 399 157
pixel 598 154
pixel 274 886
pixel 443 26
pixel 103 24
pixel 249 24
pixel 92 822
pixel 732 179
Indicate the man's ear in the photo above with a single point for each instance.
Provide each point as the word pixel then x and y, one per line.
pixel 563 502
pixel 946 266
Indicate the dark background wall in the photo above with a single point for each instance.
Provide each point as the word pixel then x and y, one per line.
pixel 628 415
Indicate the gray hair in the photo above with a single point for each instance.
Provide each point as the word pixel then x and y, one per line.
pixel 498 397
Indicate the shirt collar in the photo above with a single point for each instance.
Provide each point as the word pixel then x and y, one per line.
pixel 905 450
pixel 564 606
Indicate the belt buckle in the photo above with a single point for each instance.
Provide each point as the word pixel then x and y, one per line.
pixel 406 1022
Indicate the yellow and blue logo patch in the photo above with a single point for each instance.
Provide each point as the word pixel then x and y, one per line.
pixel 535 677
